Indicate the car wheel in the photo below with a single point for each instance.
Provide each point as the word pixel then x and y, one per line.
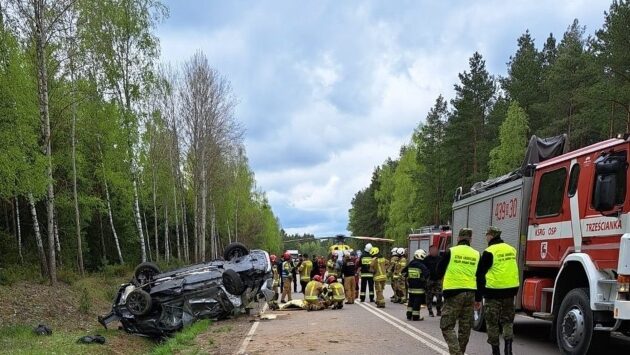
pixel 233 283
pixel 138 302
pixel 235 250
pixel 574 326
pixel 145 273
pixel 479 319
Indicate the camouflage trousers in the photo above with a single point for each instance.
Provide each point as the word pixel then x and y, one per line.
pixel 499 315
pixel 434 289
pixel 457 309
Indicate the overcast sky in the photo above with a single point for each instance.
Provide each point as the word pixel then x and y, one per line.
pixel 329 89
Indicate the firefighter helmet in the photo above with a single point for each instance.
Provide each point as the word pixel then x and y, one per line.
pixel 394 251
pixel 286 256
pixel 374 251
pixel 317 278
pixel 401 251
pixel 420 254
pixel 368 247
pixel 273 258
pixel 331 279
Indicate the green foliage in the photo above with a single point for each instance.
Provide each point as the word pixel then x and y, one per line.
pixel 12 274
pixel 364 214
pixel 85 303
pixel 508 155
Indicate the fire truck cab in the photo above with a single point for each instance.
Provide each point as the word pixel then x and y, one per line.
pixel 427 236
pixel 568 216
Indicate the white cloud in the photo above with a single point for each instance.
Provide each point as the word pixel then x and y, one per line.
pixel 328 90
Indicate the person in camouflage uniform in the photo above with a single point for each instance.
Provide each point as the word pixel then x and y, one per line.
pixel 498 282
pixel 457 268
pixel 434 284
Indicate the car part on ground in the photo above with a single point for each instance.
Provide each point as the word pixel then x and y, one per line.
pixel 157 304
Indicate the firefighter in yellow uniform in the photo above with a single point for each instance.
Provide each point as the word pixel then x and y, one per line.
pixel 399 277
pixel 287 277
pixel 312 300
pixel 331 268
pixel 304 269
pixel 379 268
pixel 393 262
pixel 336 294
pixel 273 304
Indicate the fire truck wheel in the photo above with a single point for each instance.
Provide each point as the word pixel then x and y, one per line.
pixel 574 326
pixel 479 319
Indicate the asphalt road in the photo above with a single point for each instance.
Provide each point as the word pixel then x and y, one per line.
pixel 364 329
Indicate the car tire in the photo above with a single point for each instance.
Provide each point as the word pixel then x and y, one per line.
pixel 479 319
pixel 574 326
pixel 235 250
pixel 233 283
pixel 138 302
pixel 145 273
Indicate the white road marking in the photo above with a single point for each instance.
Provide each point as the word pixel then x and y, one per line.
pixel 412 328
pixel 250 334
pixel 436 348
pixel 248 338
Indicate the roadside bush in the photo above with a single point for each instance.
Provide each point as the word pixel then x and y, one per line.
pixel 117 270
pixel 67 276
pixel 15 273
pixel 182 340
pixel 85 302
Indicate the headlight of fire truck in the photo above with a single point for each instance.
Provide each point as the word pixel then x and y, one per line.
pixel 623 284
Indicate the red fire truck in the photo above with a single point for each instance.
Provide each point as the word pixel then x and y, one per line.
pixel 568 216
pixel 424 237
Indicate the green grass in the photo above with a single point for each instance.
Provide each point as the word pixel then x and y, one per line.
pixel 183 341
pixel 22 340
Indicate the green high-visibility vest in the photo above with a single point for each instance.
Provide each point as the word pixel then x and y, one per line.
pixel 504 270
pixel 461 269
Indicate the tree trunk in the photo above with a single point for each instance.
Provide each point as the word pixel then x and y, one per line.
pixel 204 206
pixel 38 237
pixel 175 211
pixel 57 243
pixel 18 230
pixel 146 233
pixel 196 227
pixel 42 86
pixel 77 216
pixel 167 249
pixel 155 217
pixel 111 221
pixel 103 251
pixel 143 249
pixel 185 232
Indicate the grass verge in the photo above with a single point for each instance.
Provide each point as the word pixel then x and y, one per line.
pixel 184 341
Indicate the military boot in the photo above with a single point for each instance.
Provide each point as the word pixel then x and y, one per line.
pixel 508 347
pixel 496 350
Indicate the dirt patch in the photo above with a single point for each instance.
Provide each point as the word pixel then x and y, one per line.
pixel 224 337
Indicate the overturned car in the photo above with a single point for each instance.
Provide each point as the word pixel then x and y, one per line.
pixel 157 304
